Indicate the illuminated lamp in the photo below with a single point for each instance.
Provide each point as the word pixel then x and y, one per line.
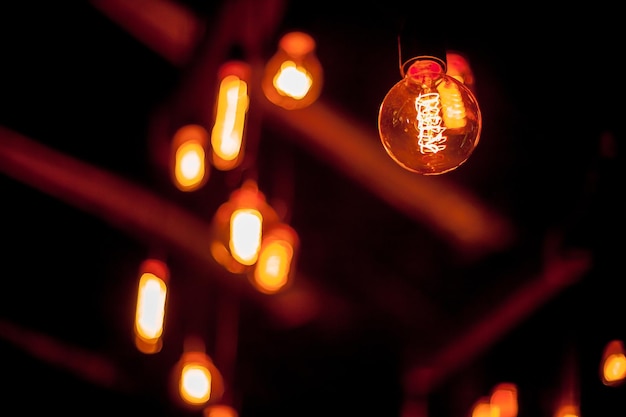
pixel 429 122
pixel 196 381
pixel 233 99
pixel 150 307
pixel 238 227
pixel 275 266
pixel 190 170
pixel 293 77
pixel 613 364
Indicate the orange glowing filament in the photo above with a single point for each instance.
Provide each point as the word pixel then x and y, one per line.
pixel 227 135
pixel 430 123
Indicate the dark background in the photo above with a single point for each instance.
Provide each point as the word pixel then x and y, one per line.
pixel 393 289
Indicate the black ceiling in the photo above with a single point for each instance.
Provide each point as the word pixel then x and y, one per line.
pixel 409 289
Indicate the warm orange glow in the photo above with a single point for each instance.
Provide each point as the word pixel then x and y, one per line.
pixel 504 397
pixel 272 270
pixel 567 411
pixel 195 380
pixel 189 165
pixel 150 308
pixel 293 76
pixel 195 383
pixel 246 231
pixel 220 410
pixel 615 367
pixel 613 364
pixel 227 136
pixel 483 408
pixel 276 259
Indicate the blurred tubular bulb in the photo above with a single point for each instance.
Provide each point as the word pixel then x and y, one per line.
pixel 189 168
pixel 227 136
pixel 293 77
pixel 197 380
pixel 150 308
pixel 238 226
pixel 613 364
pixel 429 122
pixel 275 265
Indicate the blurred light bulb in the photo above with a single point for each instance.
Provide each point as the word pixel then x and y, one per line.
pixel 429 122
pixel 195 378
pixel 150 308
pixel 274 267
pixel 613 364
pixel 293 77
pixel 227 136
pixel 189 168
pixel 238 226
pixel 246 226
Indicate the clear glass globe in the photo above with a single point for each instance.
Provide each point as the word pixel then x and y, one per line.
pixel 429 122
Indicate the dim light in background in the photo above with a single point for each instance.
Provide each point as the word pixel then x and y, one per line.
pixel 228 133
pixel 275 266
pixel 613 364
pixel 567 411
pixel 293 77
pixel 151 304
pixel 220 410
pixel 458 68
pixel 190 170
pixel 504 397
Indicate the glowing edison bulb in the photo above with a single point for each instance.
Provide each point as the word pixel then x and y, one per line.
pixel 150 307
pixel 227 136
pixel 246 227
pixel 189 168
pixel 429 122
pixel 293 77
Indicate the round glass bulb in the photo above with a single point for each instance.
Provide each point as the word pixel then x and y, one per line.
pixel 429 122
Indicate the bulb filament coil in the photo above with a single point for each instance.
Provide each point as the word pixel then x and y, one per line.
pixel 430 123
